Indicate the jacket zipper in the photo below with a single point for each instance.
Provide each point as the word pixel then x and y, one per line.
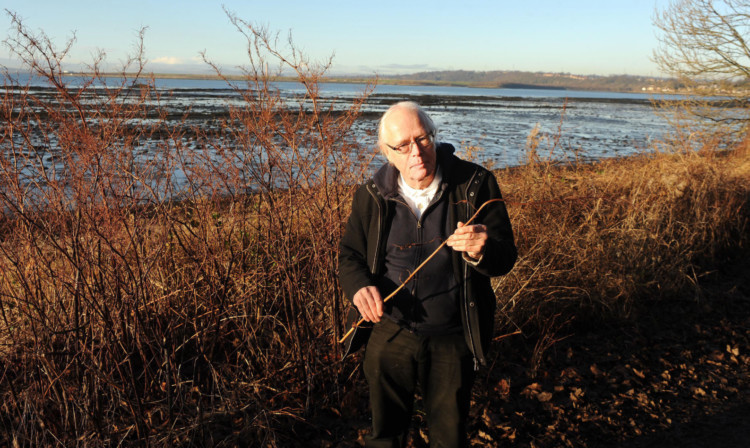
pixel 466 283
pixel 466 267
pixel 435 200
pixel 380 228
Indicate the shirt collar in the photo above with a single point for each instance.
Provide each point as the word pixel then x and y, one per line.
pixel 418 200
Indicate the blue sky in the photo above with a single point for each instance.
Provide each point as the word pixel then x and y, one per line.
pixel 601 37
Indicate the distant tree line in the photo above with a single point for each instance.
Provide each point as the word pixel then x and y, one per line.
pixel 520 79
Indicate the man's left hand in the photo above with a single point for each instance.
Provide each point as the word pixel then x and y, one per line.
pixel 470 239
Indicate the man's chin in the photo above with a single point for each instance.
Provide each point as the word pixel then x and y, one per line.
pixel 420 179
pixel 420 172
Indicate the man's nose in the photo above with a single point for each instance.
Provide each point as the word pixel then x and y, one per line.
pixel 415 149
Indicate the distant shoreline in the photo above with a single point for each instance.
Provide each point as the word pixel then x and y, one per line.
pixel 407 80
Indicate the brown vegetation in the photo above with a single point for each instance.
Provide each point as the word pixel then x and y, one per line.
pixel 143 308
pixel 159 286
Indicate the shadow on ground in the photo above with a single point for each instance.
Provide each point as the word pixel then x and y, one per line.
pixel 675 375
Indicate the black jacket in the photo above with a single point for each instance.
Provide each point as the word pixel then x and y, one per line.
pixel 362 248
pixel 429 303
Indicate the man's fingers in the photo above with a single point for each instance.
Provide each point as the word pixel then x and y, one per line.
pixel 378 304
pixel 469 239
pixel 374 305
pixel 369 303
pixel 470 230
pixel 468 233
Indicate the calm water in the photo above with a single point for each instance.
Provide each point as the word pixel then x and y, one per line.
pixel 588 125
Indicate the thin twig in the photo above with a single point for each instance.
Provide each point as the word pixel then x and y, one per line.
pixel 507 335
pixel 361 321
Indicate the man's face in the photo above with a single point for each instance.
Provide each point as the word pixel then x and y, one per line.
pixel 417 165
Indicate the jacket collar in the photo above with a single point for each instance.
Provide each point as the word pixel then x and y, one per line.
pixel 386 178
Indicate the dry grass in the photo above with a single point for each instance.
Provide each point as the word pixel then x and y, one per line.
pixel 596 240
pixel 137 313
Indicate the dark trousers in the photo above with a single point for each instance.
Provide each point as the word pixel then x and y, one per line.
pixel 396 361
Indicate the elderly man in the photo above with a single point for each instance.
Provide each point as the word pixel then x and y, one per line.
pixel 435 332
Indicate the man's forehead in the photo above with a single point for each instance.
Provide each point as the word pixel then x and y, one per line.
pixel 402 118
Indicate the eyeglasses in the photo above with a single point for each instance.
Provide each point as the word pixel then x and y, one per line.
pixel 422 142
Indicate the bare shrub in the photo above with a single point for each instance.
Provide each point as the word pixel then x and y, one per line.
pixel 181 294
pixel 703 46
pixel 164 285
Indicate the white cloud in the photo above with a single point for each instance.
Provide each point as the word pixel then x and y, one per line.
pixel 169 60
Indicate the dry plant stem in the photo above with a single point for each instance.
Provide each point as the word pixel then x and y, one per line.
pixel 172 308
pixel 401 286
pixel 150 297
pixel 503 336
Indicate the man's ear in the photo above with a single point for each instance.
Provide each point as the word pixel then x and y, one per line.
pixel 386 154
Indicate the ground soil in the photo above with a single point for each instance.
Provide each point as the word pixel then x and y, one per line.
pixel 676 373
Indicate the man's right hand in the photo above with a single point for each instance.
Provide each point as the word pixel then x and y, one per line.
pixel 369 303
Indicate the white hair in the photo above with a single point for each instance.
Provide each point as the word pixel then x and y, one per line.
pixel 409 105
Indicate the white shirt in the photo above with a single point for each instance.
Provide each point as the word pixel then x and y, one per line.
pixel 418 200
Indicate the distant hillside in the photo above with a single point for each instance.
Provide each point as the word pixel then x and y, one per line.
pixel 491 79
pixel 517 79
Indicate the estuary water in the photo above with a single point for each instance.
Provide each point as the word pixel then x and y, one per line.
pixel 569 124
